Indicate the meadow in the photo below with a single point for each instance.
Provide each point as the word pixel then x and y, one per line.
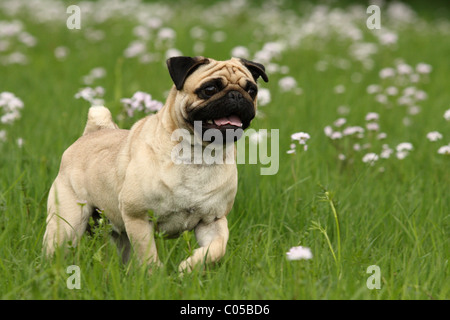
pixel 370 189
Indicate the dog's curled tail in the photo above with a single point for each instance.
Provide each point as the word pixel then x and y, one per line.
pixel 99 118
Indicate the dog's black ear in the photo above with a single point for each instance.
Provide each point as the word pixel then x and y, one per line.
pixel 181 67
pixel 257 69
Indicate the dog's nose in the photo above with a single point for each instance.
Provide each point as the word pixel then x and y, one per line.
pixel 235 95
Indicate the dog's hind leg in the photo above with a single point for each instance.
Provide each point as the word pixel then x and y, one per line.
pixel 123 245
pixel 67 217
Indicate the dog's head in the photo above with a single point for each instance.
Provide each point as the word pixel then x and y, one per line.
pixel 220 95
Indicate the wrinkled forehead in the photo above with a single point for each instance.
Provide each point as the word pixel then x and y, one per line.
pixel 231 72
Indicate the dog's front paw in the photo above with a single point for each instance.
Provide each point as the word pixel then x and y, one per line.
pixel 198 257
pixel 185 266
pixel 152 266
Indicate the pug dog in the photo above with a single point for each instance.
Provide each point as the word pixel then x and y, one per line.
pixel 131 176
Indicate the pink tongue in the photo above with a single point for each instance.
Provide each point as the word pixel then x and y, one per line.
pixel 233 120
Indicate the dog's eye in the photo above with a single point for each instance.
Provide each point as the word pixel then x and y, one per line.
pixel 210 91
pixel 252 92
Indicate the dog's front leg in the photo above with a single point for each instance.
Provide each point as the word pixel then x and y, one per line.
pixel 140 231
pixel 212 238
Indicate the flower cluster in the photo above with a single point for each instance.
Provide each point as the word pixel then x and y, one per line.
pixel 264 98
pixel 301 138
pixel 399 87
pixel 289 83
pixel 94 74
pixel 444 150
pixel 10 106
pixel 13 40
pixel 92 95
pixel 434 136
pixel 351 140
pixel 141 102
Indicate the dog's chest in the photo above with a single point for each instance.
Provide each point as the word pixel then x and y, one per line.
pixel 195 195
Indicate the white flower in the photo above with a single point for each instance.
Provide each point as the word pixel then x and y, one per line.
pixel 373 126
pixel 339 89
pixel 10 102
pixel 336 135
pixel 382 135
pixel 401 154
pixel 20 142
pixel 370 158
pixel 98 72
pixel 219 36
pixel 388 38
pixel 328 131
pixel 423 68
pixel 240 52
pixel 404 68
pixel 173 52
pixel 343 110
pixel 381 98
pixel 94 74
pixel 141 101
pixel 135 48
pixel 447 115
pixel 386 152
pixel 352 130
pixel 434 136
pixel 414 78
pixel 263 96
pixel 373 88
pixel 420 95
pixel 10 117
pixel 287 83
pixel 405 100
pixel 11 106
pixel 409 91
pixel 92 95
pixel 340 122
pixel 141 32
pixel 301 137
pixel 61 52
pixel 407 121
pixel 392 91
pixel 386 73
pixel 413 110
pixel 198 32
pixel 372 116
pixel 299 253
pixel 444 150
pixel 166 34
pixel 404 146
pixel 2 135
pixel 269 51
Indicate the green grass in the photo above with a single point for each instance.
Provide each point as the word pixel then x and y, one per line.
pixel 393 214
